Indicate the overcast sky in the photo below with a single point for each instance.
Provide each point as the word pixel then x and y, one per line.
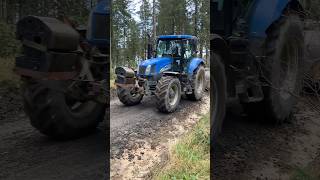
pixel 134 6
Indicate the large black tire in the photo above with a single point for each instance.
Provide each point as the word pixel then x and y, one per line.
pixel 128 98
pixel 282 71
pixel 218 95
pixel 53 114
pixel 167 87
pixel 199 84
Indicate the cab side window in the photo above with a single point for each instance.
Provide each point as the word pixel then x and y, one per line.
pixel 188 50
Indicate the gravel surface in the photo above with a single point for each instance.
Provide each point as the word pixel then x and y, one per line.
pixel 141 136
pixel 250 149
pixel 27 154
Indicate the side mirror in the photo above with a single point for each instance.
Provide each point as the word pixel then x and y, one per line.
pixel 150 51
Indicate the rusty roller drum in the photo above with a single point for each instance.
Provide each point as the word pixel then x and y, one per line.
pixel 48 63
pixel 48 32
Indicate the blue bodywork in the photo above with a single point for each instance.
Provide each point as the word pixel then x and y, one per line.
pixel 194 64
pixel 162 62
pixel 262 14
pixel 98 24
pixel 158 63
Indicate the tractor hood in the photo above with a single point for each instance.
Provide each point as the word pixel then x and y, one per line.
pixel 153 66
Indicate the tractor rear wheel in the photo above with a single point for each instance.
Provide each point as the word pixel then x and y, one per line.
pixel 218 94
pixel 57 115
pixel 168 94
pixel 281 71
pixel 129 97
pixel 198 84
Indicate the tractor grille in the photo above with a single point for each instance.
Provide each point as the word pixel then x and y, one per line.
pixel 152 87
pixel 152 84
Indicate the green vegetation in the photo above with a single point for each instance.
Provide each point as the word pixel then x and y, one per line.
pixel 7 75
pixel 9 46
pixel 190 157
pixel 112 84
pixel 11 11
pixel 309 173
pixel 77 10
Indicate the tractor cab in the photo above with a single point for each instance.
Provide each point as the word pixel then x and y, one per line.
pixel 180 48
pixel 174 53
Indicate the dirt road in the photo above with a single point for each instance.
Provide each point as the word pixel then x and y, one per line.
pixel 138 122
pixel 144 120
pixel 27 154
pixel 254 150
pixel 141 136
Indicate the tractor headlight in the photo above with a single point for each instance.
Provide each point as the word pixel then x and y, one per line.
pixel 148 70
pixel 167 67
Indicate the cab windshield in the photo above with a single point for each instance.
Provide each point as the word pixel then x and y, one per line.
pixel 174 48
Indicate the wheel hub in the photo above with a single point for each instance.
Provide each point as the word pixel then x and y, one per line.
pixel 173 95
pixel 200 82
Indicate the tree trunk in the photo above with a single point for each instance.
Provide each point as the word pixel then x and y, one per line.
pixel 154 22
pixel 196 6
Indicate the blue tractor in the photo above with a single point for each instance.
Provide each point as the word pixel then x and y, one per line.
pixel 257 53
pixel 63 70
pixel 175 69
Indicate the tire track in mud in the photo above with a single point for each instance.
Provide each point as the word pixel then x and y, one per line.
pixel 250 149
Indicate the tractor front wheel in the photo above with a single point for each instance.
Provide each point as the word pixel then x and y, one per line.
pixel 168 94
pixel 198 84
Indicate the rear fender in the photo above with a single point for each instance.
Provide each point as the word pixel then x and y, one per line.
pixel 263 13
pixel 194 64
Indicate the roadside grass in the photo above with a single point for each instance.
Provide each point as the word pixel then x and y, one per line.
pixel 309 173
pixel 190 157
pixel 7 76
pixel 112 84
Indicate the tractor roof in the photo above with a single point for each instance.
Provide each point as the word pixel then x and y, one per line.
pixel 103 7
pixel 177 37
